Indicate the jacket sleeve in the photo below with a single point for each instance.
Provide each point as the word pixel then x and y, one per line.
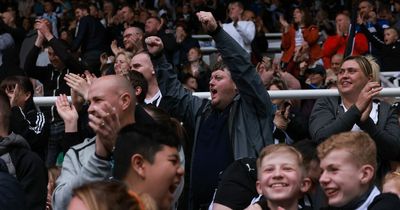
pixel 248 82
pixel 329 48
pixel 247 31
pixel 181 103
pixel 387 139
pixel 373 38
pixel 324 121
pixel 40 73
pixel 73 175
pixel 30 125
pixel 32 176
pixel 287 39
pixel 361 44
pixel 66 57
pixel 76 43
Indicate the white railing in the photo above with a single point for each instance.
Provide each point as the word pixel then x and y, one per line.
pixel 282 94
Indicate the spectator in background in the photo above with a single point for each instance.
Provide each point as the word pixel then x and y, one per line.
pixel 356 109
pixel 52 78
pixel 122 61
pixel 299 41
pixel 133 41
pixel 51 16
pixel 22 163
pixel 368 15
pixel 90 38
pixel 185 42
pixel 388 48
pixel 242 31
pixel 197 68
pixel 26 119
pixel 336 44
pixel 154 27
pixel 128 17
pixel 9 25
pixel 259 45
pixel 142 63
pixel 336 61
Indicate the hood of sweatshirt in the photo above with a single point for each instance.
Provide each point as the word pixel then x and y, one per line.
pixel 12 141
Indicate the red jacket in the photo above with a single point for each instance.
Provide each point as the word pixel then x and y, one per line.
pixel 310 35
pixel 337 45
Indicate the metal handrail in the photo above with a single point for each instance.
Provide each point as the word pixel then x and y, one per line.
pixel 274 94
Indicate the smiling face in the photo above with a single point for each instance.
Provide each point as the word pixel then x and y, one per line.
pixel 280 177
pixel 351 78
pixel 161 186
pixel 341 178
pixel 222 89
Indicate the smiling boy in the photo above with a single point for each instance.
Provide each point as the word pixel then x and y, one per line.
pixel 348 163
pixel 281 177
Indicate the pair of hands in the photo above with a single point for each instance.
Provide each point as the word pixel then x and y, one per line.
pixel 43 27
pixel 281 118
pixel 103 120
pixel 79 92
pixel 364 100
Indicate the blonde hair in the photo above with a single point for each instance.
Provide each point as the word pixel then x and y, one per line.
pixel 368 65
pixel 359 144
pixel 108 195
pixel 279 148
pixel 392 176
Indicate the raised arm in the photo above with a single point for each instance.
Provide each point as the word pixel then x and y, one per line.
pixel 181 103
pixel 243 73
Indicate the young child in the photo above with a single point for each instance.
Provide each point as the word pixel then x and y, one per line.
pixel 391 183
pixel 348 163
pixel 281 177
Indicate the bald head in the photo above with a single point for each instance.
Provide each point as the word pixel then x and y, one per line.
pixel 117 91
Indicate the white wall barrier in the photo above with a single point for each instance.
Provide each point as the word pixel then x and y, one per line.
pixel 284 94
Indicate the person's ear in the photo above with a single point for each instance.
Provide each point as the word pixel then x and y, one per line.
pixel 126 100
pixel 138 90
pixel 258 187
pixel 367 173
pixel 305 185
pixel 27 95
pixel 138 165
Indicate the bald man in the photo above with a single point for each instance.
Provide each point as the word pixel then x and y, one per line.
pixel 112 106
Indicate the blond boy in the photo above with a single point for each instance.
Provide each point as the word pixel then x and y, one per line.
pixel 281 177
pixel 348 163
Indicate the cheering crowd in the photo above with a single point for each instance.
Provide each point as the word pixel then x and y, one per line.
pixel 127 132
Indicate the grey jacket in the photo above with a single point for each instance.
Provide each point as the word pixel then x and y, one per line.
pixel 328 118
pixel 250 119
pixel 80 166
